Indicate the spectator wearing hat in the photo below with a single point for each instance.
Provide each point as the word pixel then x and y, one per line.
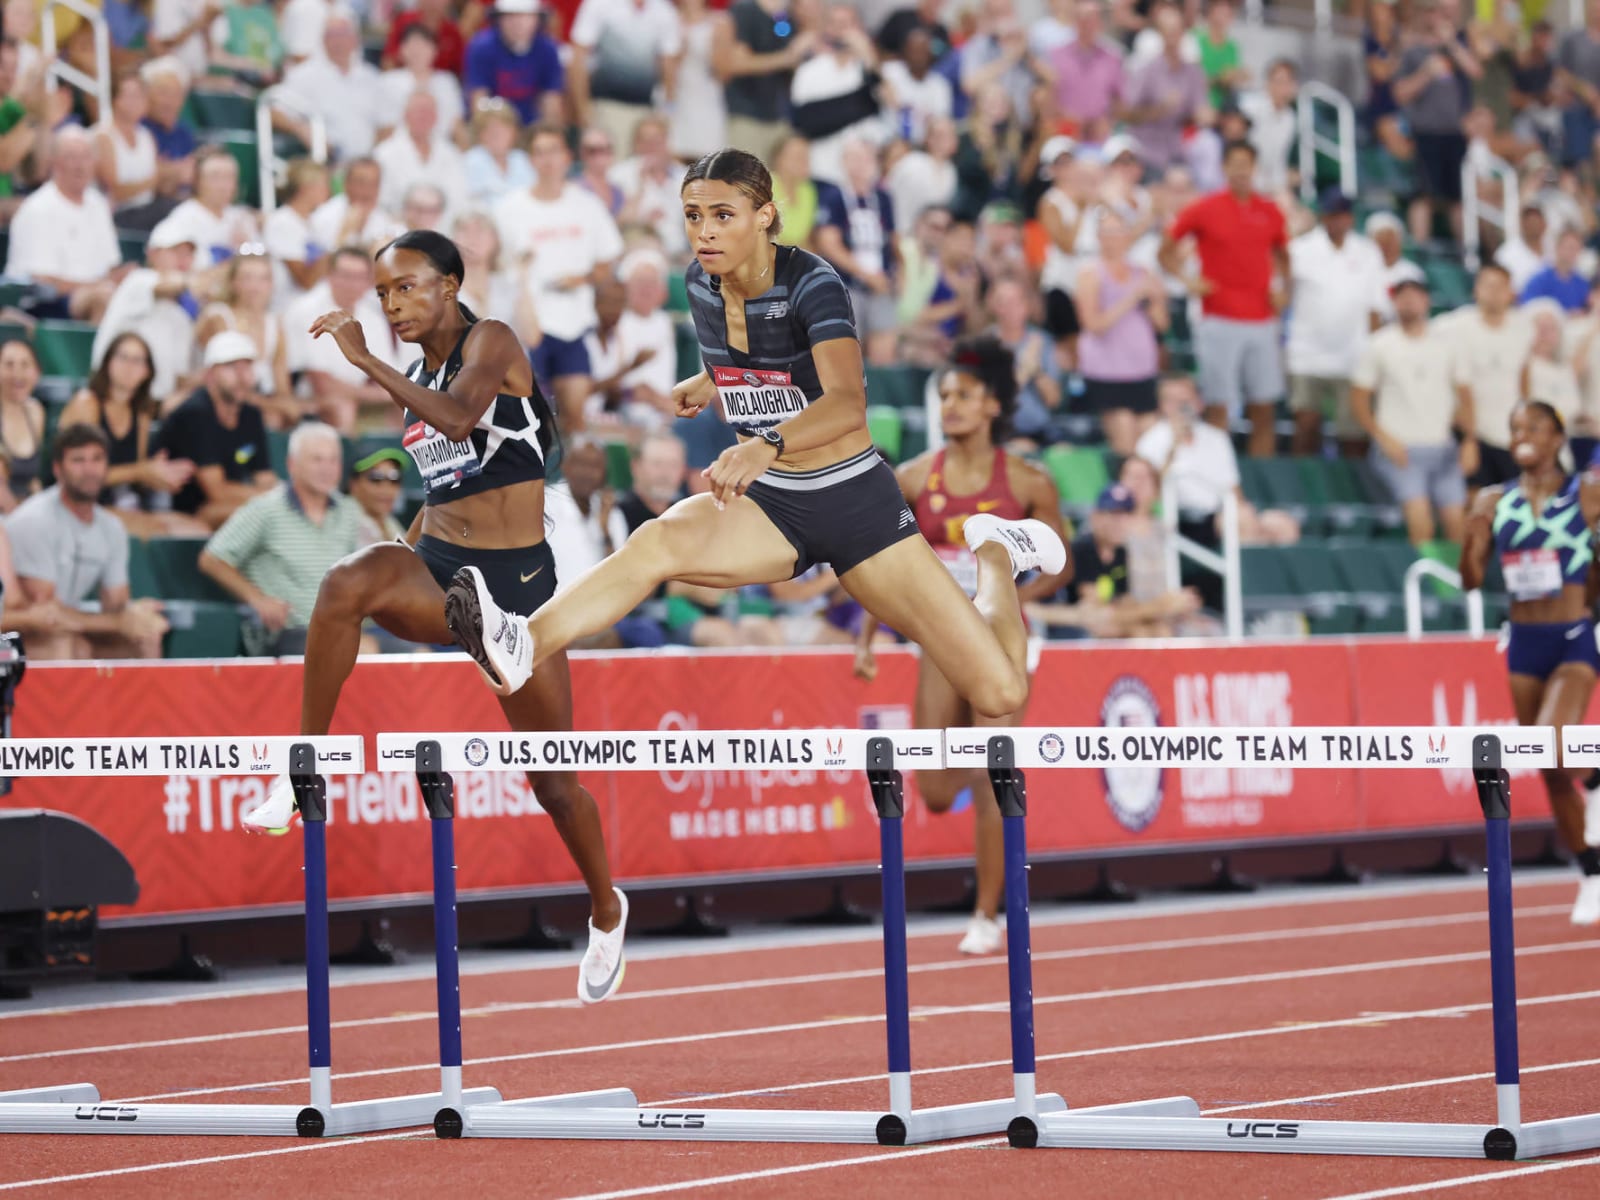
pixel 274 550
pixel 1087 73
pixel 339 86
pixel 62 238
pixel 624 53
pixel 72 555
pixel 1387 232
pixel 375 483
pixel 514 60
pixel 222 433
pixel 1402 394
pixel 157 301
pixel 1340 295
pixel 1561 280
pixel 1242 243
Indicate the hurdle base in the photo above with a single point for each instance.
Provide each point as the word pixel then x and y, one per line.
pixel 450 1122
pixel 1082 1129
pixel 64 1093
pixel 79 1110
pixel 627 1121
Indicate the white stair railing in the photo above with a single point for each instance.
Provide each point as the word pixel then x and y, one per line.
pixel 1341 147
pixel 98 84
pixel 1426 568
pixel 1476 170
pixel 1225 564
pixel 267 157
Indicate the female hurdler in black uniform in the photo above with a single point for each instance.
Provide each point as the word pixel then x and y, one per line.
pixel 478 429
pixel 803 486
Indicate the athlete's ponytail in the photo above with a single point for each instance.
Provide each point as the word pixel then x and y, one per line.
pixel 445 257
pixel 988 360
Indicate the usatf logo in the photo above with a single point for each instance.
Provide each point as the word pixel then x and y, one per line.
pixel 833 755
pixel 1133 791
pixel 260 756
pixel 1051 748
pixel 477 752
pixel 1436 750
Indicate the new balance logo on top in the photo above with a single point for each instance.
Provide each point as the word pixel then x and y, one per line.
pixel 906 518
pixel 778 311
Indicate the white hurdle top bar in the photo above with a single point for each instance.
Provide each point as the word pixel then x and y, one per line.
pixel 336 755
pixel 656 750
pixel 1333 746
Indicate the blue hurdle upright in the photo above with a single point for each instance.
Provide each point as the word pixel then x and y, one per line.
pixel 617 1114
pixel 1508 1138
pixel 78 1108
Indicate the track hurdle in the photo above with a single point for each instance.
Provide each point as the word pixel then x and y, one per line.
pixel 78 1108
pixel 616 1114
pixel 1487 754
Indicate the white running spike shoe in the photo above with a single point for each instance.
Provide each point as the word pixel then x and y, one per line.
pixel 985 935
pixel 1591 815
pixel 1586 910
pixel 498 641
pixel 275 814
pixel 1032 545
pixel 600 973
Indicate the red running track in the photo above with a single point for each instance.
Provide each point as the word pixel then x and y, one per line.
pixel 1349 1005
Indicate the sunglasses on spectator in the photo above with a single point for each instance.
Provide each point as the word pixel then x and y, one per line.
pixel 382 477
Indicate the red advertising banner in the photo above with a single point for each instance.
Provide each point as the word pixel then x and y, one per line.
pixel 182 832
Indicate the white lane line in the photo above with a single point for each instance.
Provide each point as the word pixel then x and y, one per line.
pixel 1148 909
pixel 1490 1176
pixel 300 1148
pixel 786 981
pixel 1445 1081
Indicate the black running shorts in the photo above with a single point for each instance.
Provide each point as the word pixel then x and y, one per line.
pixel 520 580
pixel 840 515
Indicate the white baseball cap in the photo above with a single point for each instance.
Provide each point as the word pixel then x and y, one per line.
pixel 169 233
pixel 230 346
pixel 1057 147
pixel 518 7
pixel 1116 146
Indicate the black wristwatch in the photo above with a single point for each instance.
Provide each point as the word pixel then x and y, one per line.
pixel 773 438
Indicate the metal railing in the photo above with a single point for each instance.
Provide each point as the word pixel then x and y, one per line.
pixel 1426 568
pixel 98 84
pixel 266 154
pixel 1225 564
pixel 1341 148
pixel 1477 169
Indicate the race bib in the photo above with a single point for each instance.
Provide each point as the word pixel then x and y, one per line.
pixel 1532 574
pixel 963 564
pixel 443 463
pixel 757 399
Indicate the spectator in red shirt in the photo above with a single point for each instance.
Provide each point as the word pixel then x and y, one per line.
pixel 1242 244
pixel 434 16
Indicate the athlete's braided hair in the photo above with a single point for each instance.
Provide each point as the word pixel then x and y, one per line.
pixel 445 257
pixel 990 361
pixel 742 170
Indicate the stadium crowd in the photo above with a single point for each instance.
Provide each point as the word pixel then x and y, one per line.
pixel 1113 191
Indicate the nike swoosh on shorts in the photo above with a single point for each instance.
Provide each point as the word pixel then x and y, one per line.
pixel 1574 632
pixel 598 993
pixel 530 574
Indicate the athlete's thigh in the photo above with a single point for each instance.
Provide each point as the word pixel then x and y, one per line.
pixel 1527 697
pixel 403 596
pixel 1566 695
pixel 938 705
pixel 908 588
pixel 725 547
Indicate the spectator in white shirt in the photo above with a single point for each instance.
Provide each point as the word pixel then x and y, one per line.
pixel 624 53
pixel 337 390
pixel 300 26
pixel 1491 341
pixel 635 358
pixel 157 302
pixel 219 226
pixel 181 27
pixel 586 524
pixel 572 242
pixel 126 152
pixel 62 236
pixel 419 152
pixel 926 177
pixel 649 180
pixel 1550 374
pixel 244 303
pixel 1523 256
pixel 1274 121
pixel 489 289
pixel 1406 370
pixel 354 217
pixel 341 87
pixel 299 260
pixel 916 94
pixel 418 47
pixel 495 165
pixel 1339 297
pixel 840 71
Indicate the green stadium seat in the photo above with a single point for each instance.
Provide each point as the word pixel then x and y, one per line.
pixel 64 347
pixel 1285 487
pixel 619 466
pixel 10 293
pixel 899 387
pixel 677 293
pixel 913 433
pixel 884 425
pixel 242 145
pixel 222 110
pixel 202 629
pixel 142 579
pixel 175 563
pixel 278 451
pixel 1080 473
pixel 1265 581
pixel 688 345
pixel 13 329
pixel 1327 605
